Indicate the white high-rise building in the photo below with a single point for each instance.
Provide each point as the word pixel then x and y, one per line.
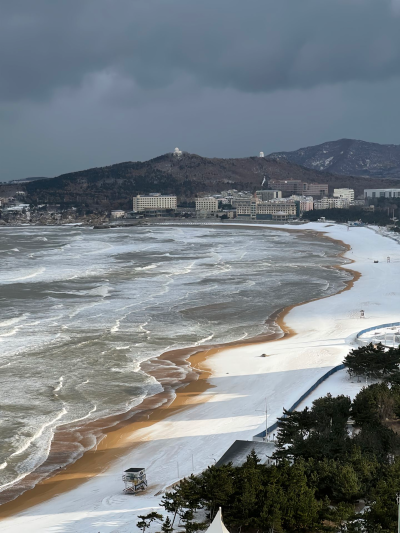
pixel 154 202
pixel 348 194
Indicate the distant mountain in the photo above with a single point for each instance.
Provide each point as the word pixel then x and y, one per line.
pixel 348 157
pixel 186 176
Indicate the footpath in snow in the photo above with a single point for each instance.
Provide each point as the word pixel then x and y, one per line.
pixel 196 437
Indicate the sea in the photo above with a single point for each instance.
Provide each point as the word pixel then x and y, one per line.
pixel 81 309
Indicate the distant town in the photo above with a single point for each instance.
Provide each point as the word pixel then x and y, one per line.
pixel 281 201
pixel 105 196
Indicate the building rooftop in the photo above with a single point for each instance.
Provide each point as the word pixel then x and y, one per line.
pixel 240 449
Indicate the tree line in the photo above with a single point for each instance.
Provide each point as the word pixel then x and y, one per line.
pixel 336 466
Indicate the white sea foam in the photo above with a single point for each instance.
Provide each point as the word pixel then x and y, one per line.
pixel 201 341
pixel 33 274
pixel 115 328
pixel 148 267
pixel 39 433
pixel 60 384
pixel 11 321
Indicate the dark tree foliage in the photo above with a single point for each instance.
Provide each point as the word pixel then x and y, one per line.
pixel 379 216
pixel 329 458
pixel 256 497
pixel 373 361
pixel 316 433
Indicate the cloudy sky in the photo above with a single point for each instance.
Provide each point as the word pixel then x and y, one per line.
pixel 88 83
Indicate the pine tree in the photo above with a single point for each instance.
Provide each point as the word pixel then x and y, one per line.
pixel 167 526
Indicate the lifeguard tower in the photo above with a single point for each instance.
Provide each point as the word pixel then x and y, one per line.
pixel 135 480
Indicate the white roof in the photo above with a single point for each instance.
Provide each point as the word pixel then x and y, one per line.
pixel 217 525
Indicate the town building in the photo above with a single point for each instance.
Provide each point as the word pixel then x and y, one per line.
pixel 287 186
pixel 299 187
pixel 306 202
pixel 315 189
pixel 268 194
pixel 279 209
pixel 344 193
pixel 154 204
pixel 117 213
pixel 208 204
pixel 332 203
pixel 241 201
pixel 381 193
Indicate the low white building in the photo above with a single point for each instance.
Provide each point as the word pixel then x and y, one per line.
pixel 117 213
pixel 348 194
pixel 381 193
pixel 156 202
pixel 208 204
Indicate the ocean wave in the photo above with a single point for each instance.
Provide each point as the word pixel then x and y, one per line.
pixel 39 433
pixel 60 385
pixel 33 274
pixel 148 267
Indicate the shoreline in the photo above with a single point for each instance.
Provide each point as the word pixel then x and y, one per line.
pixel 116 439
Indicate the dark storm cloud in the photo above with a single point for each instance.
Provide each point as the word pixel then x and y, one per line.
pixel 252 46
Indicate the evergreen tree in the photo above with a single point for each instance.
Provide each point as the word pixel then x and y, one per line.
pixel 167 526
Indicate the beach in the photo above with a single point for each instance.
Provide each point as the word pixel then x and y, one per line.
pixel 225 404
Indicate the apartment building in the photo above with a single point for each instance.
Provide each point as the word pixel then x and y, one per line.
pixel 154 202
pixel 332 203
pixel 208 204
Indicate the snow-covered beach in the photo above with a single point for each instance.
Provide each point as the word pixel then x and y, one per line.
pixel 232 407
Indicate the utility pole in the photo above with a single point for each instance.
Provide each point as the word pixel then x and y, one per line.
pixel 266 419
pixel 398 512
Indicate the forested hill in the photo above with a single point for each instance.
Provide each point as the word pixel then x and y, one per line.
pixel 348 157
pixel 113 186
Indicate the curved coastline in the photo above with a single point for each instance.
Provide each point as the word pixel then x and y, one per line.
pixel 113 432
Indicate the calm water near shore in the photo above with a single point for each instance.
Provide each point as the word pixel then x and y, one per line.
pixel 80 309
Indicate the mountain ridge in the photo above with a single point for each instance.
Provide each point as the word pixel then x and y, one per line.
pixel 113 186
pixel 347 157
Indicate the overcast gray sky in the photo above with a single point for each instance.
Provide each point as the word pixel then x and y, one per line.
pixel 88 83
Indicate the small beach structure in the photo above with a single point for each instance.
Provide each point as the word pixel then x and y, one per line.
pixel 135 480
pixel 217 525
